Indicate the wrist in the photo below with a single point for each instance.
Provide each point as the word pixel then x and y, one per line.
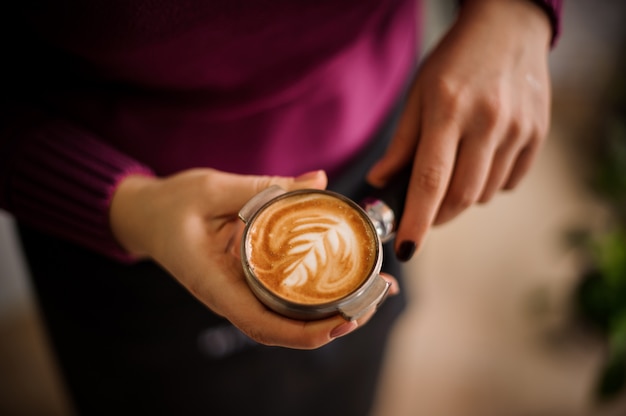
pixel 526 19
pixel 128 212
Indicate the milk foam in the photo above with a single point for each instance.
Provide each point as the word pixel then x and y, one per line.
pixel 315 241
pixel 311 248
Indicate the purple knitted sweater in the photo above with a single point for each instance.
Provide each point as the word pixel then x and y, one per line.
pixel 103 88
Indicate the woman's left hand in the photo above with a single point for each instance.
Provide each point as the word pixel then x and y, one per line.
pixel 476 116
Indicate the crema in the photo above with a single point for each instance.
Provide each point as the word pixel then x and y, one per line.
pixel 311 248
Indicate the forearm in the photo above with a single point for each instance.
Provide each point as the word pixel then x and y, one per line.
pixel 60 179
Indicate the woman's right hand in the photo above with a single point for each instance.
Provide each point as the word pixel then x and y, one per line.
pixel 188 223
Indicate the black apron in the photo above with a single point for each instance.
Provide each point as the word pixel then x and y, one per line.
pixel 130 340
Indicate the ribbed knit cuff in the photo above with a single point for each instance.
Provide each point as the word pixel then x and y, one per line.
pixel 61 181
pixel 553 9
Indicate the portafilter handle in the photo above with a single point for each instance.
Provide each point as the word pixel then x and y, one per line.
pixel 385 205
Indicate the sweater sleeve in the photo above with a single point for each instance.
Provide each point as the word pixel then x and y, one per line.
pixel 59 178
pixel 54 175
pixel 553 8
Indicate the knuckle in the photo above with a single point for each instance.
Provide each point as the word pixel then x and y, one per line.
pixel 430 179
pixel 491 110
pixel 447 88
pixel 459 201
pixel 255 334
pixel 253 331
pixel 493 103
pixel 449 93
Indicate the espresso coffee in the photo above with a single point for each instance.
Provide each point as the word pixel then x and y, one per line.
pixel 311 248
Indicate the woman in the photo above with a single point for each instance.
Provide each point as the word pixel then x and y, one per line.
pixel 133 133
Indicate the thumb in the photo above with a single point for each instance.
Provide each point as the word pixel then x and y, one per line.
pixel 240 188
pixel 315 179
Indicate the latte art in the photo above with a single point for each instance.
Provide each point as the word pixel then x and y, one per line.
pixel 311 248
pixel 314 241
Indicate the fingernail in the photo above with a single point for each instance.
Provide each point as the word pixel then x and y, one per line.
pixel 307 176
pixel 343 329
pixel 406 250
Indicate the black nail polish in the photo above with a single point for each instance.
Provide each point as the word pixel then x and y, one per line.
pixel 406 251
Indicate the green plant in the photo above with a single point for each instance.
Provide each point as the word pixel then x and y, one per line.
pixel 601 295
pixel 601 300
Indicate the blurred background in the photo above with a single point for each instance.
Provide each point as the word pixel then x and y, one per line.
pixel 492 328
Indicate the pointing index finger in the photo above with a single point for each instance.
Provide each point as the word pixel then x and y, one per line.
pixel 432 170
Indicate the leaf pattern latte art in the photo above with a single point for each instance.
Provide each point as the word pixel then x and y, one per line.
pixel 313 243
pixel 311 248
